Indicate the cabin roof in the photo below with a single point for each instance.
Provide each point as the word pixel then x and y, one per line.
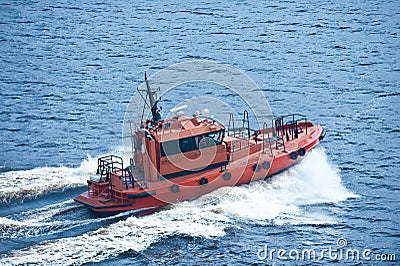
pixel 183 127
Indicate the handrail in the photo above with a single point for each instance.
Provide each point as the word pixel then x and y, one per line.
pixel 231 119
pixel 291 115
pixel 245 125
pixel 265 126
pixel 113 164
pixel 281 126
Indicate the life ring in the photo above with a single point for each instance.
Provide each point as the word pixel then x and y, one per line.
pixel 175 188
pixel 257 168
pixel 203 181
pixel 266 165
pixel 227 176
pixel 302 151
pixel 293 155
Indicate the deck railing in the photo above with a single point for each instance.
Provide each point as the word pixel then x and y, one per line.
pixel 114 164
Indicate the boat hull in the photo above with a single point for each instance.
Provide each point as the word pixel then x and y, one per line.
pixel 198 184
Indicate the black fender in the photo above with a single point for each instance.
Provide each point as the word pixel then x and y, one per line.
pixel 302 151
pixel 175 188
pixel 293 155
pixel 227 176
pixel 266 165
pixel 257 168
pixel 203 181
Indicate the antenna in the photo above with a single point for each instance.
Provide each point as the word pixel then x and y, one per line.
pixel 153 102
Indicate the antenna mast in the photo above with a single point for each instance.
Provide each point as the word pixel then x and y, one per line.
pixel 153 102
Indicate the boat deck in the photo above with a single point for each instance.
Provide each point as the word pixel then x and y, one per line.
pixel 252 153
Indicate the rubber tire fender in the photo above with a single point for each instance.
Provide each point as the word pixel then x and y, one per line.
pixel 203 181
pixel 257 168
pixel 302 151
pixel 293 155
pixel 266 165
pixel 227 176
pixel 175 188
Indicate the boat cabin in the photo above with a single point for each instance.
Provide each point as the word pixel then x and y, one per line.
pixel 179 146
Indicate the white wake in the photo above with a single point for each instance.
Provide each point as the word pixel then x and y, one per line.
pixel 277 201
pixel 32 183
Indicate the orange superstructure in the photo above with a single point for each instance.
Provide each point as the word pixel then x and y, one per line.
pixel 183 158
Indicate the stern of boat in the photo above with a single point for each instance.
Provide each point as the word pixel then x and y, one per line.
pixel 106 189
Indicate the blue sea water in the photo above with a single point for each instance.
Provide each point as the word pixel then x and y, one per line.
pixel 68 70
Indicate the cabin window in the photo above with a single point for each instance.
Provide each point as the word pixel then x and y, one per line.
pixel 187 144
pixel 178 146
pixel 169 147
pixel 192 143
pixel 139 143
pixel 216 136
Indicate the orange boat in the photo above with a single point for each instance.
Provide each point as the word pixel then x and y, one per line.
pixel 183 158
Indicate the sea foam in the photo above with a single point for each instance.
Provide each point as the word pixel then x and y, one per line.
pixel 276 201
